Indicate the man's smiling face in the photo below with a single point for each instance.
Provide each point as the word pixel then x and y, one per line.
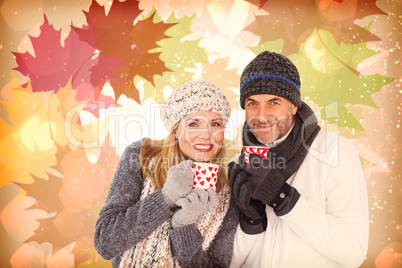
pixel 269 116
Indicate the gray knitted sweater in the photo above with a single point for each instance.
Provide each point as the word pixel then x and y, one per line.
pixel 125 220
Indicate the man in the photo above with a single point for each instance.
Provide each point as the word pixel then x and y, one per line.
pixel 306 205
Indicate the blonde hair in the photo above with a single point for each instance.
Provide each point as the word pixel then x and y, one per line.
pixel 157 156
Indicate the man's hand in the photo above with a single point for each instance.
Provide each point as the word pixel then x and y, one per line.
pixel 253 211
pixel 267 180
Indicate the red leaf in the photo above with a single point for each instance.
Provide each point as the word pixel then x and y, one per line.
pixel 262 3
pixel 118 37
pixel 114 28
pixel 48 69
pixel 293 21
pixel 53 64
pixel 342 15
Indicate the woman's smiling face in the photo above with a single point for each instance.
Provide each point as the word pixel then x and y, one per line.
pixel 201 135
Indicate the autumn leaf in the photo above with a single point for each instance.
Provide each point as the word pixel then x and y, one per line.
pixel 146 34
pixel 19 218
pixel 73 186
pixel 225 80
pixel 388 61
pixel 295 21
pixel 4 115
pixel 27 146
pixel 42 122
pixel 77 61
pixel 73 128
pixel 262 3
pixel 8 194
pixel 35 255
pixel 47 71
pixel 341 16
pixel 45 191
pixel 118 37
pixel 180 55
pixel 325 79
pixel 63 229
pixel 84 182
pixel 112 30
pixel 181 9
pixel 54 65
pixel 110 49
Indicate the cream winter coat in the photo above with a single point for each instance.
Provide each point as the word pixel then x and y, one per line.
pixel 328 227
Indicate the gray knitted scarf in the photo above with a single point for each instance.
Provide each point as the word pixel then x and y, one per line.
pixel 155 251
pixel 294 148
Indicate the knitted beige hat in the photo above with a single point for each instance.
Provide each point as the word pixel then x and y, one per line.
pixel 191 97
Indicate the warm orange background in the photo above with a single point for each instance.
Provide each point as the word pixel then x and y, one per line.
pixel 55 175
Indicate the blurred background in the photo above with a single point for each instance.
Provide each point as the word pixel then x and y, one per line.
pixel 82 79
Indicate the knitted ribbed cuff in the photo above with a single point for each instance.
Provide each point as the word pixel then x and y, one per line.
pixel 252 221
pixel 156 202
pixel 270 186
pixel 186 238
pixel 281 195
pixel 253 226
pixel 288 202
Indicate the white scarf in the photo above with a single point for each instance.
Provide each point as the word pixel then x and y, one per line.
pixel 154 250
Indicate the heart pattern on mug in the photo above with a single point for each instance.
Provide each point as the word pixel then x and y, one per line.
pixel 205 175
pixel 262 151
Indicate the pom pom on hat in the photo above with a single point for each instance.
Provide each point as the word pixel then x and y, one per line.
pixel 191 97
pixel 270 73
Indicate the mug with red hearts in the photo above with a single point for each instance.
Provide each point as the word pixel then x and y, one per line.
pixel 262 151
pixel 205 175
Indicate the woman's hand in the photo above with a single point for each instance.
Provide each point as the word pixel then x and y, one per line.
pixel 196 203
pixel 179 182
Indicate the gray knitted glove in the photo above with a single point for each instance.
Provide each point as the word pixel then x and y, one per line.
pixel 179 182
pixel 196 203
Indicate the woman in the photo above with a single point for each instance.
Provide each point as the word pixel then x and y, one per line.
pixel 152 216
